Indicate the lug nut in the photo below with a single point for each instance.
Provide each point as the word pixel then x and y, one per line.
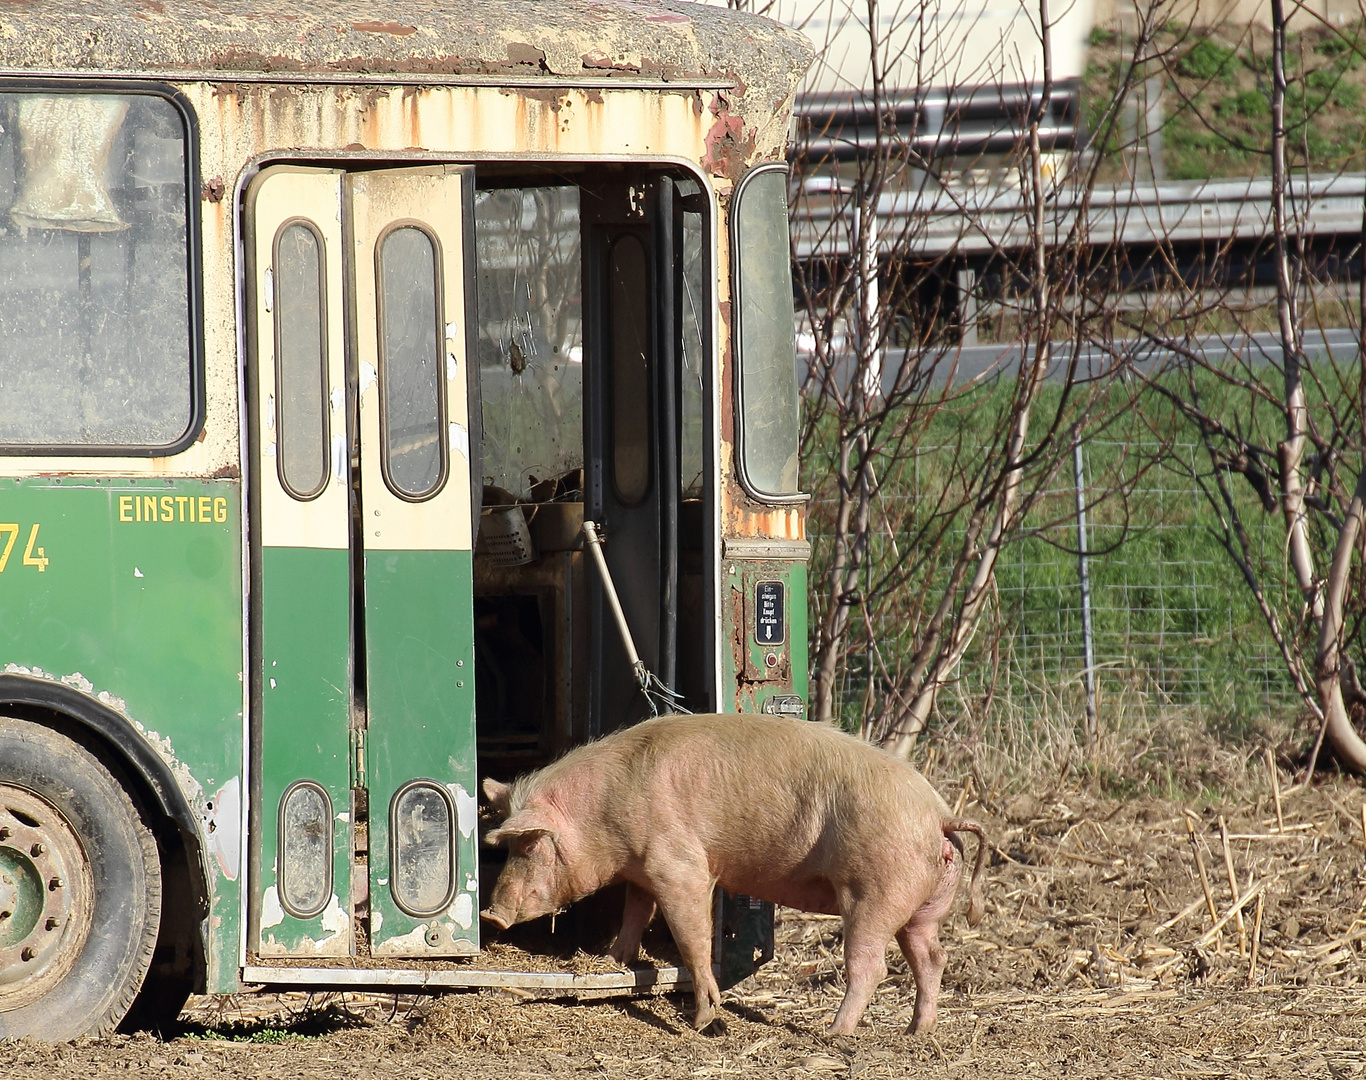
pixel 4 832
pixel 55 884
pixel 28 954
pixel 36 850
pixel 51 923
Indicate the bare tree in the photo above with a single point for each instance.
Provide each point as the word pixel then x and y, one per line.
pixel 1292 427
pixel 884 308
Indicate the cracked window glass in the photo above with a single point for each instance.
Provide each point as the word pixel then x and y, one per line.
pixel 95 337
pixel 696 333
pixel 530 334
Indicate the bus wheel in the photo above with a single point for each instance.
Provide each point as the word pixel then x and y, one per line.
pixel 80 889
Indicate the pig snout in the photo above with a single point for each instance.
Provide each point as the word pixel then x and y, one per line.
pixel 500 919
pixel 523 891
pixel 511 902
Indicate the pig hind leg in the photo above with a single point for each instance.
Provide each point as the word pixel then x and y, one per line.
pixel 919 941
pixel 920 945
pixel 864 967
pixel 866 933
pixel 639 910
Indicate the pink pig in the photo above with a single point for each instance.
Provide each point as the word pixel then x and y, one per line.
pixel 784 810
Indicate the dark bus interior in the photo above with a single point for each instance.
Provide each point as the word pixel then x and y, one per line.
pixel 594 336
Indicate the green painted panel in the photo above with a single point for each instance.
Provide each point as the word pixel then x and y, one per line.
pixel 419 635
pixel 305 736
pixel 744 664
pixel 140 600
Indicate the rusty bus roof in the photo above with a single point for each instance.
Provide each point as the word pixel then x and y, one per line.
pixel 506 42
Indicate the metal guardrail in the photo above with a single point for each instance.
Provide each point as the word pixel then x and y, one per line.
pixel 965 363
pixel 936 122
pixel 978 219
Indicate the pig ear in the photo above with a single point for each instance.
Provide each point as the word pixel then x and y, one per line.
pixel 498 795
pixel 520 828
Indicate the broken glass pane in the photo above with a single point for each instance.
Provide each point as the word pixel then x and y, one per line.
pixel 530 334
pixel 695 329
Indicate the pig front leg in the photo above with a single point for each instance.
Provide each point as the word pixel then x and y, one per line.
pixel 684 897
pixel 639 910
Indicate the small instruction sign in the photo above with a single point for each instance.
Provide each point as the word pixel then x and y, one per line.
pixel 768 613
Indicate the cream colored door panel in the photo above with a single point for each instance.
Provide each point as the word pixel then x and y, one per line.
pixel 410 290
pixel 299 331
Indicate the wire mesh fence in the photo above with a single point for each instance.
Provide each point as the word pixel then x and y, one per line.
pixel 1173 621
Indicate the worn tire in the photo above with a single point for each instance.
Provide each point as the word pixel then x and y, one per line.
pixel 72 955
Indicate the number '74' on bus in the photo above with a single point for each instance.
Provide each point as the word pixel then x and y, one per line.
pixel 9 533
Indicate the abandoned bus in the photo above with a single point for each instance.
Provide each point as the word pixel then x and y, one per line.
pixel 322 332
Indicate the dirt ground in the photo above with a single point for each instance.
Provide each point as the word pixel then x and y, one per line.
pixel 1096 958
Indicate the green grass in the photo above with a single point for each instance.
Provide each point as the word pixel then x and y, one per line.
pixel 1175 624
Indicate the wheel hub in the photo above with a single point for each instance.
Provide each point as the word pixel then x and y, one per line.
pixel 46 896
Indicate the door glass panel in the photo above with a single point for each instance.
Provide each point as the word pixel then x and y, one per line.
pixel 530 334
pixel 410 375
pixel 301 360
pixel 305 871
pixel 421 829
pixel 630 371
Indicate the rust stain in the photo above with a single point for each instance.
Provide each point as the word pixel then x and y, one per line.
pixel 213 190
pixel 737 637
pixel 745 518
pixel 246 60
pixel 728 149
pixel 521 53
pixel 377 27
pixel 599 60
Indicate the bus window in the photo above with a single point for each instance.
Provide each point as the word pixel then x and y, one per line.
pixel 530 334
pixel 630 350
pixel 410 373
pixel 97 348
pixel 301 368
pixel 769 414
